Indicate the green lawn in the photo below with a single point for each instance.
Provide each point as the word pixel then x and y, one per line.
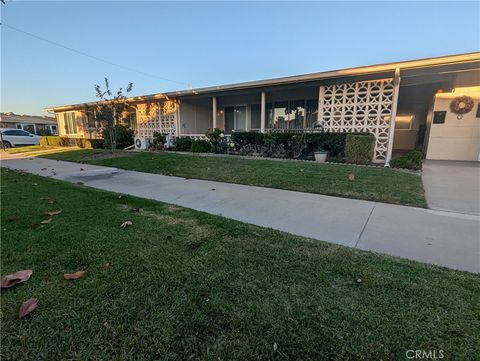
pixel 372 183
pixel 184 285
pixel 28 149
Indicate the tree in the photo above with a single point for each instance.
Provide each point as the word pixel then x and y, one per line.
pixel 109 110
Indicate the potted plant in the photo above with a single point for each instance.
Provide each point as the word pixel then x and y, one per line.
pixel 320 155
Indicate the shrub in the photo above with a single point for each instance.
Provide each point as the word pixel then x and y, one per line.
pixel 359 148
pixel 159 140
pixel 56 141
pixel 218 141
pixel 183 144
pixel 411 160
pixel 293 144
pixel 123 137
pixel 201 146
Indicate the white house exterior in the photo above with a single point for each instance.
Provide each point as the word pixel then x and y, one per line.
pixel 398 102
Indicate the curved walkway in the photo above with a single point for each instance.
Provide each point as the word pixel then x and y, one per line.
pixel 443 238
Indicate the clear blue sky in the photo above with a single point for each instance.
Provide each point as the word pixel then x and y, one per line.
pixel 212 43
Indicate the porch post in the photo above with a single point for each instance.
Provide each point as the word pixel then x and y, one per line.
pixel 262 113
pixel 214 110
pixel 391 131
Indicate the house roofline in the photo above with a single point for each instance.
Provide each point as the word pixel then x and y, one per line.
pixel 354 71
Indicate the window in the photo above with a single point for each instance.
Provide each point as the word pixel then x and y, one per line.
pixel 255 116
pixel 70 123
pixel 13 132
pixel 291 114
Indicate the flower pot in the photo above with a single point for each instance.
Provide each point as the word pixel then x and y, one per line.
pixel 320 157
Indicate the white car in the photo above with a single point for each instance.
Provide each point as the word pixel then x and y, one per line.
pixel 18 138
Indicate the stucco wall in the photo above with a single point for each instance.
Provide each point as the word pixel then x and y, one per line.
pixel 456 139
pixel 195 118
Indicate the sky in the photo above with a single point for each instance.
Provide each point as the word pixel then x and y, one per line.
pixel 211 43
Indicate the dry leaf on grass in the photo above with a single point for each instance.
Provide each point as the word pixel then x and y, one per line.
pixel 46 221
pixel 126 224
pixel 74 276
pixel 27 307
pixel 351 177
pixel 16 278
pixel 51 202
pixel 54 213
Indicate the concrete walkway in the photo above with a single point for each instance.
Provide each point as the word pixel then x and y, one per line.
pixel 443 238
pixel 452 185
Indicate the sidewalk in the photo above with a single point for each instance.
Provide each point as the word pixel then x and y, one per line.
pixel 443 238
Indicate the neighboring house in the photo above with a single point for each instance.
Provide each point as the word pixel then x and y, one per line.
pixel 31 123
pixel 406 105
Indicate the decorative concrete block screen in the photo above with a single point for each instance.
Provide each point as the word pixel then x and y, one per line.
pixel 364 106
pixel 156 117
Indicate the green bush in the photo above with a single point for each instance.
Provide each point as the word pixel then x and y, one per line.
pixel 201 146
pixel 183 144
pixel 159 140
pixel 56 141
pixel 289 144
pixel 218 141
pixel 123 137
pixel 359 148
pixel 411 160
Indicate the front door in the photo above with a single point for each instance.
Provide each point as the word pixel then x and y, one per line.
pixel 235 118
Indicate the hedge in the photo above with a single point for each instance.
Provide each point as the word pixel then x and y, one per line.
pixel 289 144
pixel 359 148
pixel 183 144
pixel 411 160
pixel 57 141
pixel 201 146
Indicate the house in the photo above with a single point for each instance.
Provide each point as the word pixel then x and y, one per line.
pixel 427 104
pixel 40 125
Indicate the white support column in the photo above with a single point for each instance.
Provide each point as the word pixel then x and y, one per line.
pixel 321 92
pixel 214 111
pixel 391 131
pixel 262 113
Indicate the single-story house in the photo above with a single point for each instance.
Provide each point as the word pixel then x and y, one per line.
pixel 40 125
pixel 427 104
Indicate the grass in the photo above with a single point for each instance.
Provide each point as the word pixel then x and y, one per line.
pixel 180 284
pixel 372 183
pixel 27 149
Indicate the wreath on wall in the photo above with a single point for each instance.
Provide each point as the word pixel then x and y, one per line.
pixel 461 105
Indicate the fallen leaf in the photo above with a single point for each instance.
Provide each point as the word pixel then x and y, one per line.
pixel 51 202
pixel 27 307
pixel 351 177
pixel 126 224
pixel 74 276
pixel 15 278
pixel 44 169
pixel 213 189
pixel 46 221
pixel 54 213
pixel 11 218
pixel 275 346
pixel 359 280
pixel 82 169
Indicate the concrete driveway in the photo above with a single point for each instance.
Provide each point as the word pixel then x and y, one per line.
pixel 452 186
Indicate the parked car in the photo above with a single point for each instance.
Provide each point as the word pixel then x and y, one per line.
pixel 18 138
